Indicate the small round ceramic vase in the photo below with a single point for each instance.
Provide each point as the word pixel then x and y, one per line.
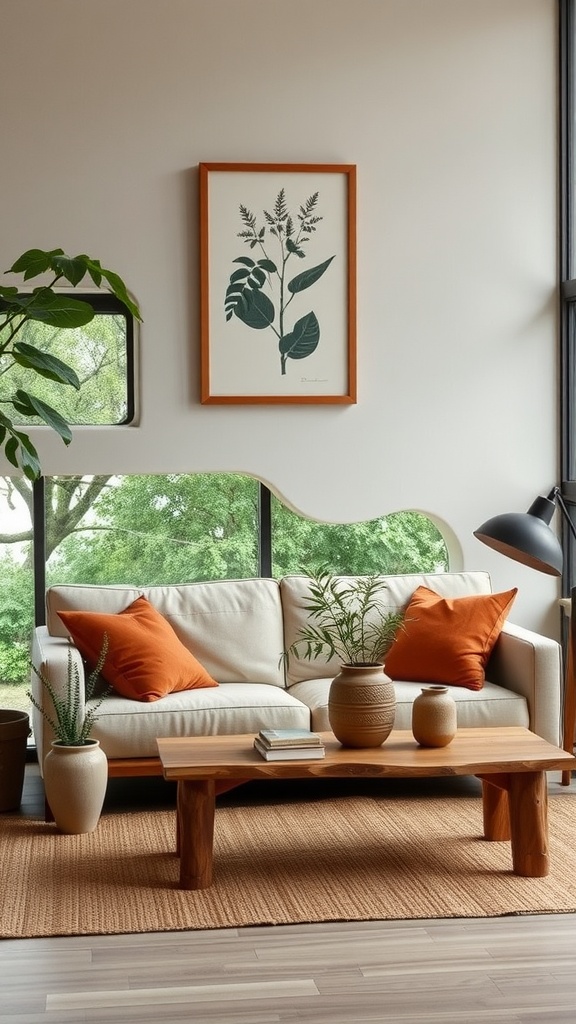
pixel 434 720
pixel 75 779
pixel 361 705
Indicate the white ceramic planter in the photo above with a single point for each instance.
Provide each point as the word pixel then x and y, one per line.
pixel 75 779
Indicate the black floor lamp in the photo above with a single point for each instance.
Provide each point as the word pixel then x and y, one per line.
pixel 528 538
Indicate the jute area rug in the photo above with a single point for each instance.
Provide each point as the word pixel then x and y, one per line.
pixel 358 857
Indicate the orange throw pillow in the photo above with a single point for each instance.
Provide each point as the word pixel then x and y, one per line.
pixel 448 640
pixel 145 659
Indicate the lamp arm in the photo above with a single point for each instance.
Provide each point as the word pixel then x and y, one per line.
pixel 556 496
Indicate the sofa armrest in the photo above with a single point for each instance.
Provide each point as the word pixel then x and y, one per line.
pixel 531 665
pixel 50 656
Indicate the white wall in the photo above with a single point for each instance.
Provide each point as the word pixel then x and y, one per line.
pixel 448 109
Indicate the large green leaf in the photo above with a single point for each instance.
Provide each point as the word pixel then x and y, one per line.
pixel 28 456
pixel 255 310
pixel 19 449
pixel 308 277
pixel 73 269
pixel 8 293
pixel 114 282
pixel 44 364
pixel 302 341
pixel 56 310
pixel 34 262
pixel 30 405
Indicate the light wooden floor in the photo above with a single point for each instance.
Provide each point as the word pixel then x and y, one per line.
pixel 519 970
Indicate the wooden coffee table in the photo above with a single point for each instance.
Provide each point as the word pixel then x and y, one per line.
pixel 511 763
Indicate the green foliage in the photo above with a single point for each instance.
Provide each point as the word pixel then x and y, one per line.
pixel 399 543
pixel 98 351
pixel 16 620
pixel 13 662
pixel 349 621
pixel 245 295
pixel 70 728
pixel 164 529
pixel 46 306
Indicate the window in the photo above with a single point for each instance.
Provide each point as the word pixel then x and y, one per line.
pixel 172 529
pixel 151 529
pixel 101 353
pixel 568 280
pixel 399 543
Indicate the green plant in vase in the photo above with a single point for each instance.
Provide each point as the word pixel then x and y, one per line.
pixel 75 769
pixel 349 621
pixel 71 726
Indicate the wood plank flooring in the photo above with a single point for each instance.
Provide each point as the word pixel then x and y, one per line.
pixel 518 970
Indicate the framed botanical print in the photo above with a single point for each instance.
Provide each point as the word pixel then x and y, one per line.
pixel 278 283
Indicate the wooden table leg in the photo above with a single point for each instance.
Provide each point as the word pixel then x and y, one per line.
pixel 528 799
pixel 195 829
pixel 495 808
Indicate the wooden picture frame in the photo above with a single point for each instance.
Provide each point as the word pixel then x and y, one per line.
pixel 278 283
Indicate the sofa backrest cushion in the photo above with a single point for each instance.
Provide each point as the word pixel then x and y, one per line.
pixel 448 639
pixel 233 627
pixel 144 658
pixel 294 592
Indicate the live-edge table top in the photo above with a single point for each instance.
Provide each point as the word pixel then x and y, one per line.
pixel 471 752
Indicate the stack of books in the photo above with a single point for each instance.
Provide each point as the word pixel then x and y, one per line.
pixel 288 744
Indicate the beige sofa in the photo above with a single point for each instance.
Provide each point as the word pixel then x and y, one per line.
pixel 238 629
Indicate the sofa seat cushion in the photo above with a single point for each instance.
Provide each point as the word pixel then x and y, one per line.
pixel 491 706
pixel 129 728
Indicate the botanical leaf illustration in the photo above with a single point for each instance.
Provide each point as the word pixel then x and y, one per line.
pixel 255 310
pixel 302 341
pixel 246 295
pixel 308 277
pixel 250 277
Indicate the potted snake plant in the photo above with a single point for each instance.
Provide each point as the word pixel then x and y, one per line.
pixel 75 768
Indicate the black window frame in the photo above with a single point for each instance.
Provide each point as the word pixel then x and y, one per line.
pixel 106 303
pixel 264 542
pixel 567 289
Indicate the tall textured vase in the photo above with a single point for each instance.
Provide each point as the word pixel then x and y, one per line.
pixel 434 717
pixel 75 779
pixel 361 705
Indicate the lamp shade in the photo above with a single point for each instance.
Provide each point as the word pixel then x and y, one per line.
pixel 526 537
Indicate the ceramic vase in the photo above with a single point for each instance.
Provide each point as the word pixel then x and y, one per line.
pixel 434 720
pixel 361 705
pixel 75 779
